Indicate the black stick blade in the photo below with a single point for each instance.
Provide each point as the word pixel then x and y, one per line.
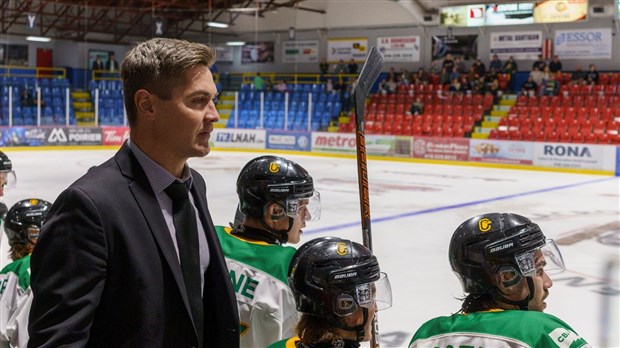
pixel 368 76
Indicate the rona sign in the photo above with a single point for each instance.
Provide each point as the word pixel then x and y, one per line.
pixel 576 156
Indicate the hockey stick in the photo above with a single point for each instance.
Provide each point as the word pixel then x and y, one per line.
pixel 368 76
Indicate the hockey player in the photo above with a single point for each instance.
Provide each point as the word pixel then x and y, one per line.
pixel 277 197
pixel 503 262
pixel 7 177
pixel 22 226
pixel 338 286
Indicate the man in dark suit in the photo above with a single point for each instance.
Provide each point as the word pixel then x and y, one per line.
pixel 111 269
pixel 112 65
pixel 98 63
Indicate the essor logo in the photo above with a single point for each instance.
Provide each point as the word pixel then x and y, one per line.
pixel 57 135
pixel 579 36
pixel 567 151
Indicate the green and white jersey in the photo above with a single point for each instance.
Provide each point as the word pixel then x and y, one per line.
pixel 259 271
pixel 497 329
pixel 15 301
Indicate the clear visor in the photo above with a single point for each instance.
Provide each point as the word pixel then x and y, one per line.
pixel 548 257
pixel 308 208
pixel 376 294
pixel 33 232
pixel 8 178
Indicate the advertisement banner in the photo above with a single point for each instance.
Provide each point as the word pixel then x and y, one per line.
pixel 453 149
pixel 238 138
pixel 399 48
pixel 465 46
pixel 509 13
pixel 114 135
pixel 520 45
pixel 345 49
pixel 258 52
pixel 492 151
pixel 462 16
pixel 583 43
pixel 73 136
pixel 556 11
pixel 300 51
pixel 282 140
pixel 577 156
pixel 376 145
pixel 20 136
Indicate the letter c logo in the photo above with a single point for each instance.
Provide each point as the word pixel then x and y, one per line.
pixel 484 225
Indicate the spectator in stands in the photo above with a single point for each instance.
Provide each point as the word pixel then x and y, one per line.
pixel 460 65
pixel 479 85
pixel 432 69
pixel 387 86
pixel 259 83
pixel 455 86
pixel 324 66
pixel 555 65
pixel 421 77
pixel 444 76
pixel 454 74
pixel 352 67
pixel 404 78
pixel 494 89
pixel 480 68
pixel 592 76
pixel 417 107
pixel 578 76
pixel 111 65
pixel 491 75
pixel 281 87
pixel 329 86
pixel 341 67
pixel 26 99
pixel 448 62
pixel 495 63
pixel 539 63
pixel 530 86
pixel 510 66
pixel 537 75
pixel 550 86
pixel 98 64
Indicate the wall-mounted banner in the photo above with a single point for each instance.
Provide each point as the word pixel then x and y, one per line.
pixel 462 16
pixel 509 13
pixel 399 48
pixel 224 54
pixel 259 52
pixel 282 140
pixel 465 46
pixel 238 138
pixel 556 11
pixel 300 51
pixel 583 43
pixel 345 49
pixel 520 45
pixel 491 151
pixel 578 156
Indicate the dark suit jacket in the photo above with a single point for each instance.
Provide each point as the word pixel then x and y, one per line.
pixel 97 65
pixel 105 272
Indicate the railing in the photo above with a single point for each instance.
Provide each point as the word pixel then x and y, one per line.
pixel 36 72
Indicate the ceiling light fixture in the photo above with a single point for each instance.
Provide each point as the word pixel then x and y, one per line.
pixel 39 38
pixel 243 9
pixel 217 24
pixel 235 43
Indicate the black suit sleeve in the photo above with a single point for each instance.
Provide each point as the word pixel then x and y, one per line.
pixel 68 268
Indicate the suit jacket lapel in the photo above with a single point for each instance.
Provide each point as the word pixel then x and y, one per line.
pixel 145 199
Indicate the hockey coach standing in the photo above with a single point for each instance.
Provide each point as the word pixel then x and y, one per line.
pixel 503 262
pixel 129 256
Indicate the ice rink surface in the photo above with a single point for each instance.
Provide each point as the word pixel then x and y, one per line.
pixel 415 207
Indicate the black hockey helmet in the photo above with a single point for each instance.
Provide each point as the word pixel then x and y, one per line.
pixel 6 171
pixel 5 163
pixel 24 219
pixel 485 244
pixel 268 179
pixel 332 277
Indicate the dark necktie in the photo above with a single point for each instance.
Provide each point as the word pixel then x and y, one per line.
pixel 184 219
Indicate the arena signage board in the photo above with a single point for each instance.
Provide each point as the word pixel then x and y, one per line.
pixel 114 135
pixel 508 152
pixel 300 51
pixel 462 16
pixel 465 46
pixel 282 140
pixel 399 48
pixel 258 52
pixel 584 43
pixel 520 45
pixel 224 54
pixel 347 48
pixel 575 156
pixel 509 13
pixel 557 11
pixel 376 145
pixel 451 149
pixel 238 138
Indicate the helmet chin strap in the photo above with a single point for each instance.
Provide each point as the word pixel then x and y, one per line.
pixel 523 303
pixel 280 235
pixel 359 330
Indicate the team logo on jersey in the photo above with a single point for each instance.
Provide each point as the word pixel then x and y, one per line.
pixel 243 328
pixel 484 225
pixel 34 201
pixel 342 248
pixel 274 167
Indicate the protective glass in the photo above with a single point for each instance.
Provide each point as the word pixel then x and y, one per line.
pixel 549 257
pixel 377 294
pixel 308 208
pixel 8 178
pixel 33 232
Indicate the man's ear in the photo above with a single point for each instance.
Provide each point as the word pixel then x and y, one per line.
pixel 275 211
pixel 144 103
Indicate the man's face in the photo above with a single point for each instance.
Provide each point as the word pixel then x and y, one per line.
pixel 541 281
pixel 294 235
pixel 184 123
pixel 3 182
